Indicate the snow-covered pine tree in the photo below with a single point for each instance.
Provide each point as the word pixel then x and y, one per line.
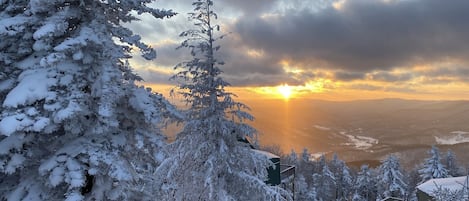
pixel 413 180
pixel 365 184
pixel 391 181
pixel 292 158
pixel 74 125
pixel 207 161
pixel 432 167
pixel 343 177
pixel 324 181
pixel 303 190
pixel 305 155
pixel 305 166
pixel 451 164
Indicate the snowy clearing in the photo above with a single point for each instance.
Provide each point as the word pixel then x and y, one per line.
pixel 455 137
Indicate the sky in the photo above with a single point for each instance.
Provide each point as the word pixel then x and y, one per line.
pixel 324 49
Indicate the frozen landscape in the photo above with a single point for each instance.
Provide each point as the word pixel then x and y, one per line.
pixel 357 100
pixel 365 130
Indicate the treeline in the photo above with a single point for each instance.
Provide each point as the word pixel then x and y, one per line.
pixel 331 179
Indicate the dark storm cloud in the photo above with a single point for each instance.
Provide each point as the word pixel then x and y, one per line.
pixel 348 76
pixel 448 71
pixel 240 69
pixel 250 7
pixel 391 77
pixel 365 35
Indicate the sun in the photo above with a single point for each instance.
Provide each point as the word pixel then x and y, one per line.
pixel 285 90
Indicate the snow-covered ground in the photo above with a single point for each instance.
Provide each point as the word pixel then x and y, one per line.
pixel 354 137
pixel 316 156
pixel 323 128
pixel 359 142
pixel 455 137
pixel 452 184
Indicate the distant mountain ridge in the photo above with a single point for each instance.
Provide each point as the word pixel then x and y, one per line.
pixel 400 126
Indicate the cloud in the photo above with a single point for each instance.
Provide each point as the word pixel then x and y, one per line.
pixel 348 76
pixel 385 76
pixel 250 7
pixel 364 35
pixel 341 40
pixel 156 77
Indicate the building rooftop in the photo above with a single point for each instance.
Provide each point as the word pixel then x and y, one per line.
pixel 452 184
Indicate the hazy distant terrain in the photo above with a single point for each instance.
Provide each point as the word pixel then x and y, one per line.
pixel 365 130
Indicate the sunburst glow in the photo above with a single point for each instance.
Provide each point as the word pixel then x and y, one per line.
pixel 285 90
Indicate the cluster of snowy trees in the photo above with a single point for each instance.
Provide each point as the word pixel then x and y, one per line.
pixel 322 179
pixel 73 122
pixel 74 125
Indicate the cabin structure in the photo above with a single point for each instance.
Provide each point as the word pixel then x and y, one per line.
pixel 455 185
pixel 273 171
pixel 278 174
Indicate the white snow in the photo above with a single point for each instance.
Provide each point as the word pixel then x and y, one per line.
pixel 316 156
pixel 75 196
pixel 66 80
pixel 49 29
pixel 52 59
pixel 452 184
pixel 40 124
pixel 45 30
pixel 10 124
pixel 118 172
pixel 267 154
pixel 11 142
pixel 78 55
pixel 57 176
pixel 6 84
pixel 32 111
pixel 12 22
pixel 159 156
pixel 33 86
pixel 15 162
pixel 75 179
pixel 455 137
pixel 47 166
pixel 360 142
pixel 323 128
pixel 63 114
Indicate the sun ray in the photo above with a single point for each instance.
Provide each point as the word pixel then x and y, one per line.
pixel 285 90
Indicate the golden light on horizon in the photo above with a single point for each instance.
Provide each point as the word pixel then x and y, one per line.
pixel 285 90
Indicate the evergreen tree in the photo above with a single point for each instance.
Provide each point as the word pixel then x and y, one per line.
pixel 344 179
pixel 413 180
pixel 357 197
pixel 206 161
pixel 74 125
pixel 293 158
pixel 390 179
pixel 432 167
pixel 325 182
pixel 305 166
pixel 303 191
pixel 365 184
pixel 305 155
pixel 451 164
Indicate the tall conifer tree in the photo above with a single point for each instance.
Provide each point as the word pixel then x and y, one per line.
pixel 207 162
pixel 71 116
